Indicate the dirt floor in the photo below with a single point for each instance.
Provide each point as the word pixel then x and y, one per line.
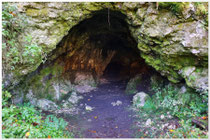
pixel 110 116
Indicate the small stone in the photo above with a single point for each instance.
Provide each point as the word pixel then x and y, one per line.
pixel 89 120
pixel 183 89
pixel 169 116
pixel 162 117
pixel 74 98
pixel 148 122
pixel 195 51
pixel 46 105
pixel 171 126
pixel 117 103
pixel 139 99
pixel 88 108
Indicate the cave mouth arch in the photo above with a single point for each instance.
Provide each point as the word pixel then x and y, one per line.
pixel 92 50
pixel 101 45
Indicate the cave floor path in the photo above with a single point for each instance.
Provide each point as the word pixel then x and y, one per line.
pixel 111 116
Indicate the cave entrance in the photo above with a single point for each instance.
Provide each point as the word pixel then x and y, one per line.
pixel 102 46
pixel 113 69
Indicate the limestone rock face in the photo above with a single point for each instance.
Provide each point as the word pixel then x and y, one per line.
pixel 174 45
pixel 196 77
pixel 171 43
pixel 46 84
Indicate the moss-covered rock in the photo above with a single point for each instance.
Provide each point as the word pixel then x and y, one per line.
pixel 139 99
pixel 37 12
pixel 84 79
pixel 196 77
pixel 132 84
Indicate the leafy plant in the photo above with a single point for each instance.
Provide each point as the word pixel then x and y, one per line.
pixel 24 121
pixel 185 106
pixel 5 98
pixel 149 105
pixel 186 131
pixel 14 52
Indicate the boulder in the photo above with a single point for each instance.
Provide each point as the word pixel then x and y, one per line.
pixel 132 84
pixel 69 106
pixel 46 105
pixel 196 77
pixel 183 90
pixel 74 98
pixel 148 122
pixel 139 99
pixel 83 79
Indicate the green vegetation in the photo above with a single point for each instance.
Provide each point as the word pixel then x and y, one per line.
pixel 201 8
pixel 185 106
pixel 175 7
pixel 186 130
pixel 149 105
pixel 24 121
pixel 182 105
pixel 13 24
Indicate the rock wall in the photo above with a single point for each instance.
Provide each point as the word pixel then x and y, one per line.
pixel 175 44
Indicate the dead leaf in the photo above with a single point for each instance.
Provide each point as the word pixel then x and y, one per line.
pixel 204 117
pixel 27 134
pixel 35 124
pixel 92 131
pixel 3 127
